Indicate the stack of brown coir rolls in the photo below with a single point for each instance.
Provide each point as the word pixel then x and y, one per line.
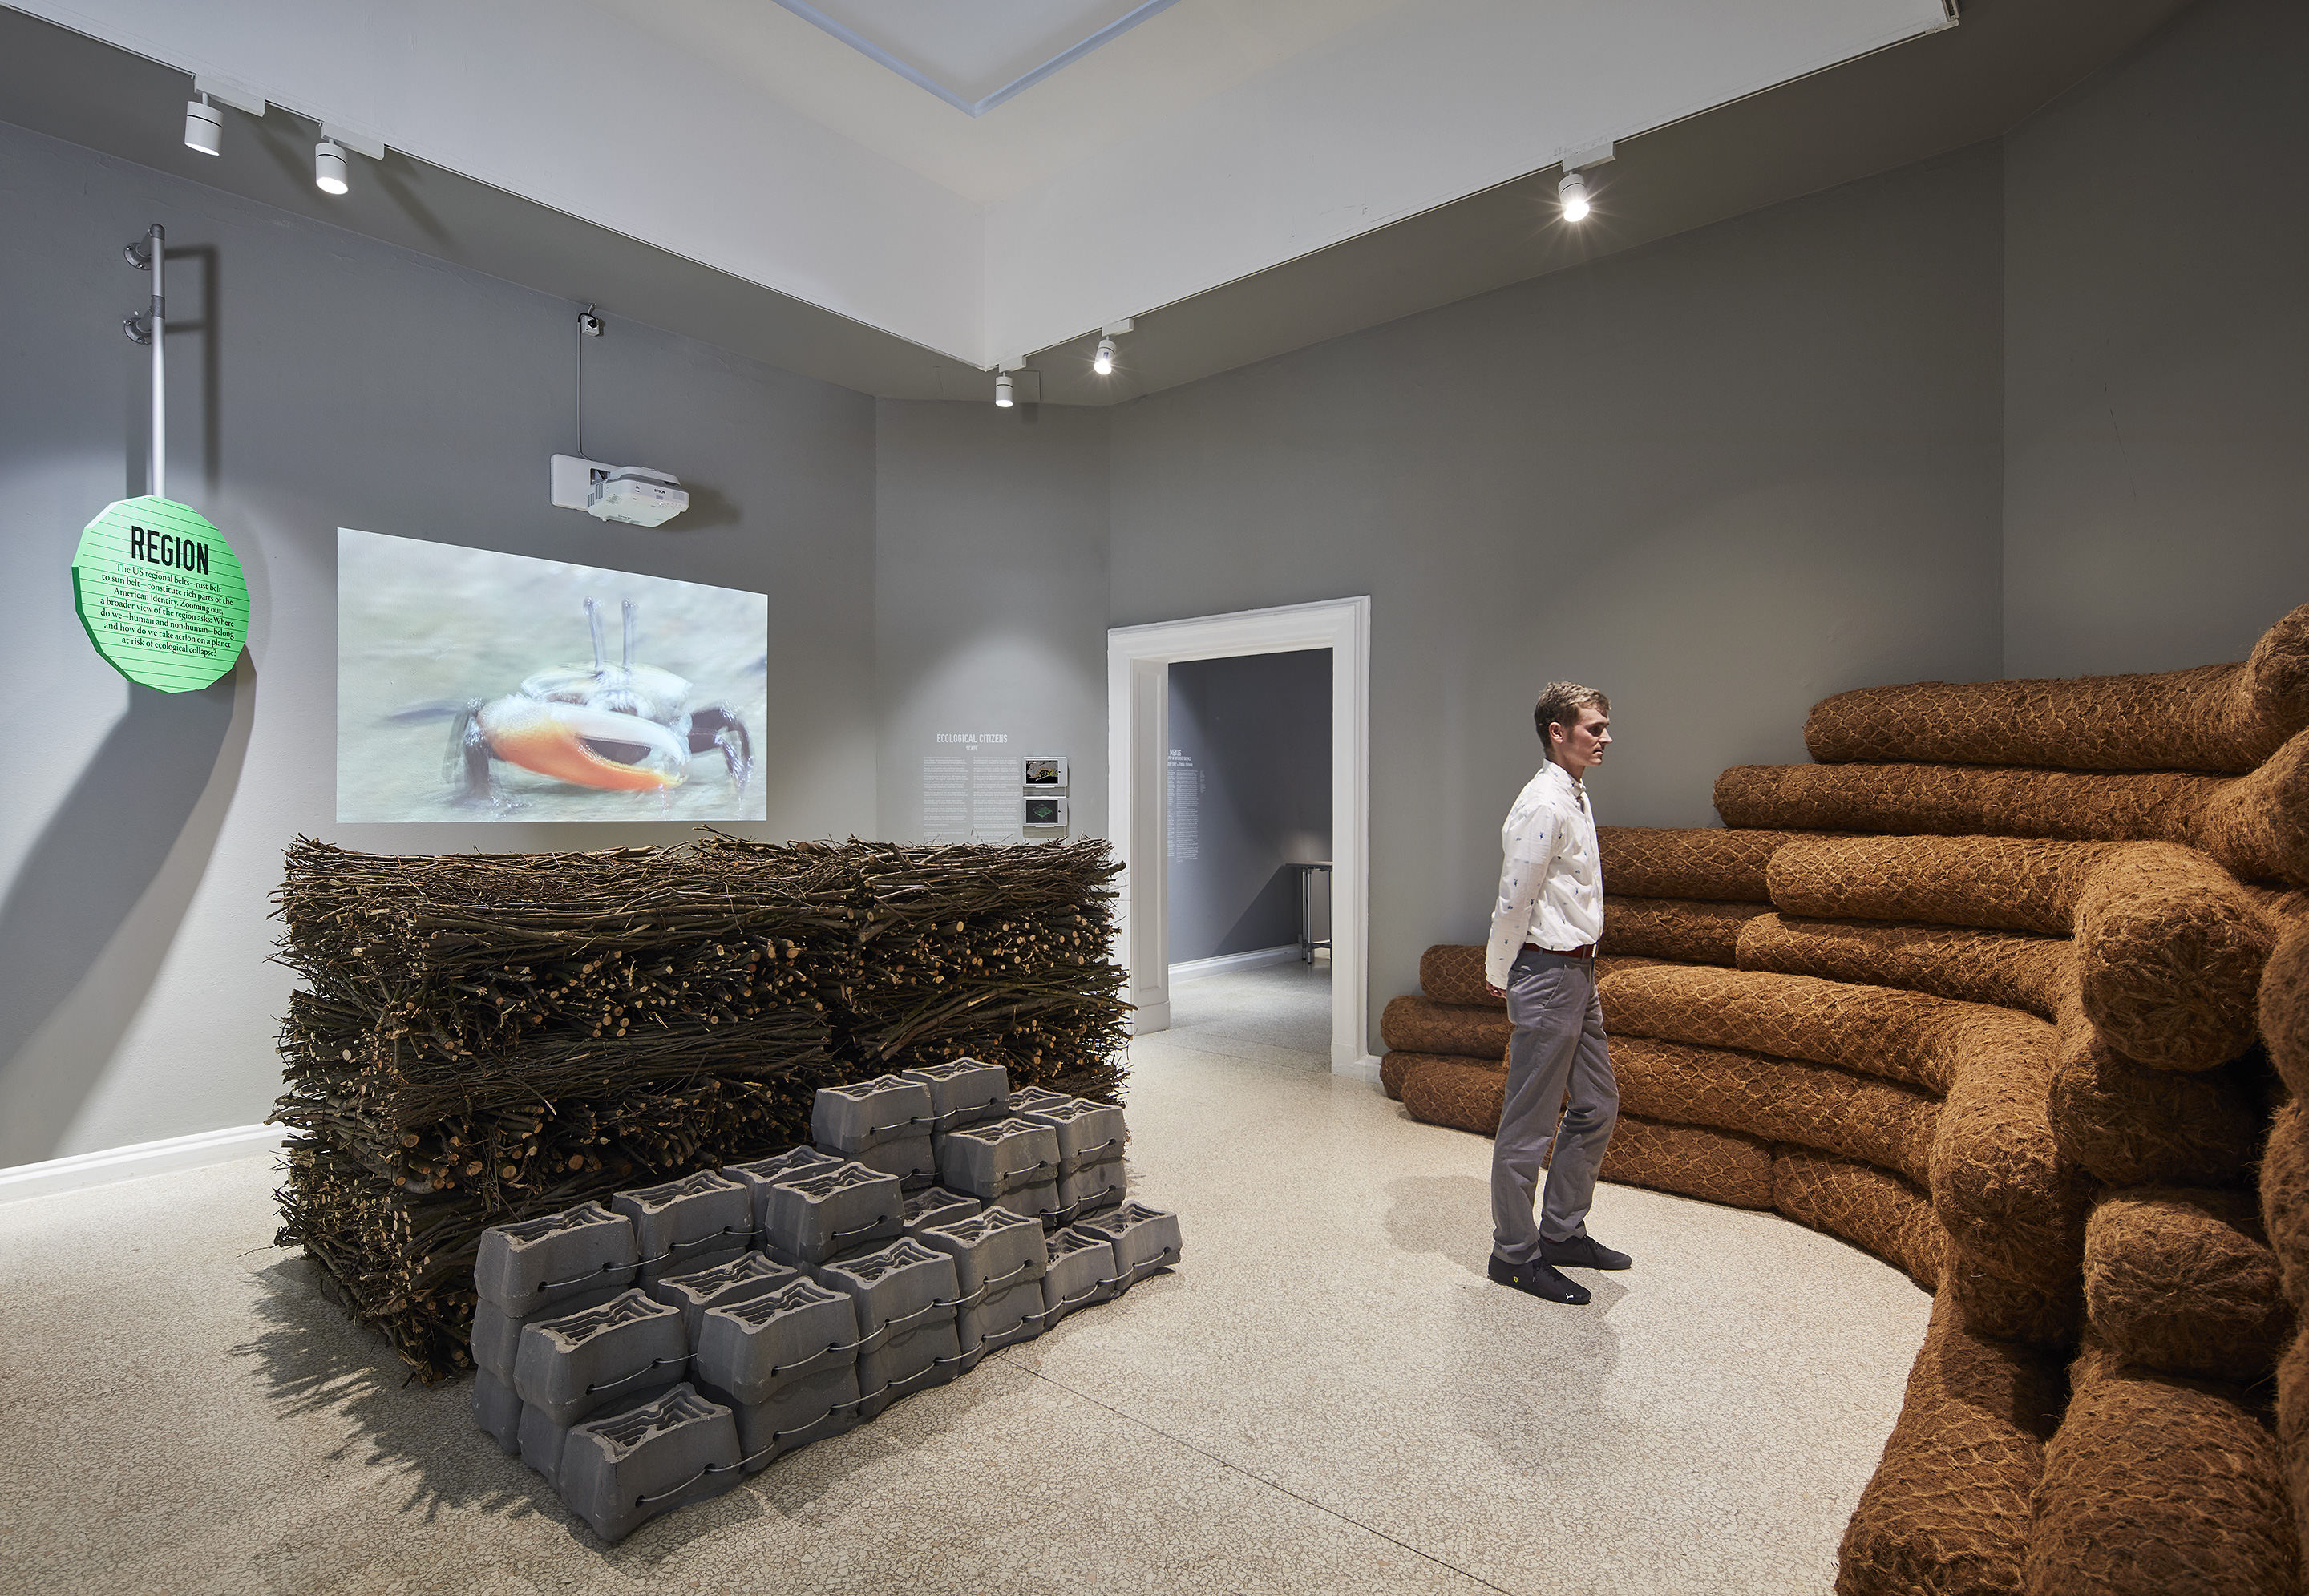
pixel 2016 1056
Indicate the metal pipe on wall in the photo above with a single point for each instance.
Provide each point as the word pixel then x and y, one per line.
pixel 154 259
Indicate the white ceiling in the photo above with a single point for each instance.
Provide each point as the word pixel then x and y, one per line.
pixel 1172 60
pixel 1214 140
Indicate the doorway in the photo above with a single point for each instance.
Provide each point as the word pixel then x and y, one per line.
pixel 1139 782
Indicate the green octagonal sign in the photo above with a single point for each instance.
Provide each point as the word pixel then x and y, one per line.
pixel 161 594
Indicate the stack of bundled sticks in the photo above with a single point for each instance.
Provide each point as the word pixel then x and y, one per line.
pixel 483 1038
pixel 975 952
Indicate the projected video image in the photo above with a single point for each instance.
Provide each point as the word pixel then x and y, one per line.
pixel 478 686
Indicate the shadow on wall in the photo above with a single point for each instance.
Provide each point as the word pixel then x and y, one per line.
pixel 98 863
pixel 1272 917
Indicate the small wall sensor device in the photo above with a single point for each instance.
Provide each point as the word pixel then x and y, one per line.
pixel 1044 770
pixel 1044 812
pixel 632 494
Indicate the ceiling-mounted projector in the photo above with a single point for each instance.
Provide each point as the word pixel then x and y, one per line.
pixel 632 494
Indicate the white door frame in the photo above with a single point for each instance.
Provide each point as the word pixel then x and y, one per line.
pixel 1138 661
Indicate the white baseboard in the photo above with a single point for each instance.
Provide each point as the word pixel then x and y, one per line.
pixel 1227 963
pixel 1365 1067
pixel 85 1170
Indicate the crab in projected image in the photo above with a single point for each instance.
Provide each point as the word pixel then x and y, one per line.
pixel 614 728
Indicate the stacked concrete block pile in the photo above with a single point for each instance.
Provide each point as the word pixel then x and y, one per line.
pixel 1977 992
pixel 651 1351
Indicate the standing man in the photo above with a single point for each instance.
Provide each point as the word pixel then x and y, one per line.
pixel 1542 960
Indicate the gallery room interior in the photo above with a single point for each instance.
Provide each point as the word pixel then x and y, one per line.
pixel 606 593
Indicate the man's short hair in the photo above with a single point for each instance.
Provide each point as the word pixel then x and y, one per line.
pixel 1560 703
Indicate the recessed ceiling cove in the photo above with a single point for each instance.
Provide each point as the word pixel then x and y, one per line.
pixel 974 57
pixel 1206 141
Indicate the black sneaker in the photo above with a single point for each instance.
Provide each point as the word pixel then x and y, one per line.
pixel 1583 1252
pixel 1539 1280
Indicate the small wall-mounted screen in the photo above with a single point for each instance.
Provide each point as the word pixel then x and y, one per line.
pixel 1046 811
pixel 1043 770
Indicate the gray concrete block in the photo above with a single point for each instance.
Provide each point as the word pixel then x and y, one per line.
pixel 994 1249
pixel 742 1279
pixel 543 1441
pixel 535 1264
pixel 619 1472
pixel 1092 1187
pixel 912 1160
pixel 1088 1132
pixel 866 1114
pixel 1037 1203
pixel 572 1365
pixel 998 1317
pixel 814 1216
pixel 964 1091
pixel 1145 1240
pixel 764 1173
pixel 988 1160
pixel 748 1350
pixel 936 1205
pixel 495 1335
pixel 905 1296
pixel 812 1407
pixel 1025 1100
pixel 1080 1270
pixel 688 1224
pixel 497 1409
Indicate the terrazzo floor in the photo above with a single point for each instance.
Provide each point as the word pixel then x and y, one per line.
pixel 1326 1396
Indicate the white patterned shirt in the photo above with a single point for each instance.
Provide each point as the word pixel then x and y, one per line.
pixel 1551 884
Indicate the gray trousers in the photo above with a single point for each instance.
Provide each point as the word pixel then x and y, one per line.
pixel 1558 1047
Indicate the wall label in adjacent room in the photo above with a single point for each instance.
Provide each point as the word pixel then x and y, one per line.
pixel 161 593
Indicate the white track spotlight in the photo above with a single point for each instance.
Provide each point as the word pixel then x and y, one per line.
pixel 1001 389
pixel 1573 191
pixel 329 168
pixel 203 127
pixel 1103 362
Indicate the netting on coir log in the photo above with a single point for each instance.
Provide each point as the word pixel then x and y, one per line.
pixel 1780 1101
pixel 1998 883
pixel 2016 970
pixel 2255 825
pixel 1462 1030
pixel 1693 931
pixel 2180 1281
pixel 1870 1207
pixel 2210 718
pixel 1946 1510
pixel 2156 1485
pixel 1642 861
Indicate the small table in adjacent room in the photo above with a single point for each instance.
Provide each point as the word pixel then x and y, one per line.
pixel 1307 942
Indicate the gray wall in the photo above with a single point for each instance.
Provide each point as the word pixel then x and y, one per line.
pixel 321 380
pixel 1257 731
pixel 1719 478
pixel 990 594
pixel 2157 308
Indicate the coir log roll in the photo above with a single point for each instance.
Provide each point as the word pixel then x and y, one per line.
pixel 1643 861
pixel 2009 968
pixel 1998 883
pixel 1453 973
pixel 1693 930
pixel 1871 1208
pixel 1947 1511
pixel 1459 1030
pixel 2255 825
pixel 1780 1101
pixel 1457 1092
pixel 2048 1315
pixel 2211 718
pixel 2170 951
pixel 2160 1486
pixel 2181 1282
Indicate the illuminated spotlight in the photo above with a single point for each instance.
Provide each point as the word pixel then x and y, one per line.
pixel 1573 191
pixel 1572 188
pixel 1103 362
pixel 329 168
pixel 203 127
pixel 1002 391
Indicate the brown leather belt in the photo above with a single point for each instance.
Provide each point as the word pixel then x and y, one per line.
pixel 1585 950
